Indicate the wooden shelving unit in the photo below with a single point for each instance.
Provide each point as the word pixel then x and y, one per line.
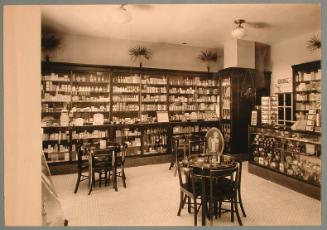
pixel 239 93
pixel 128 99
pixel 307 90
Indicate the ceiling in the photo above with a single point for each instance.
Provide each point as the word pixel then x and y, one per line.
pixel 202 25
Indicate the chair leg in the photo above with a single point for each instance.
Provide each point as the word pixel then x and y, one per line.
pixel 123 176
pixel 240 202
pixel 219 212
pixel 181 203
pixel 215 207
pixel 195 212
pixel 189 210
pixel 115 179
pixel 232 210
pixel 77 182
pixel 236 210
pixel 106 178
pixel 92 184
pixel 176 160
pixel 210 213
pixel 171 163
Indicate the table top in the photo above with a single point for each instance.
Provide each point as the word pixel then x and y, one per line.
pixel 208 162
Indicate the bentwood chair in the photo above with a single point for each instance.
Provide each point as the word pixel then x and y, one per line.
pixel 82 165
pixel 225 182
pixel 179 150
pixel 221 192
pixel 190 191
pixel 120 156
pixel 103 164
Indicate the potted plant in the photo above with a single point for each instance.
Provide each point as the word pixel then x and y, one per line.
pixel 50 44
pixel 208 57
pixel 140 53
pixel 314 43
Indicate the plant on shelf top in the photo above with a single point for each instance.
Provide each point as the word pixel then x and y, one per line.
pixel 140 53
pixel 314 43
pixel 208 56
pixel 50 43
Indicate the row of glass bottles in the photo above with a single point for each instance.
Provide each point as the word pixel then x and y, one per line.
pixel 134 79
pixel 126 89
pixel 90 78
pixel 125 98
pixel 87 135
pixel 154 80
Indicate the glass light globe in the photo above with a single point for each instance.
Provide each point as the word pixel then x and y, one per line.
pixel 238 32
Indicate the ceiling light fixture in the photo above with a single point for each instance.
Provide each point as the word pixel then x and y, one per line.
pixel 122 15
pixel 239 31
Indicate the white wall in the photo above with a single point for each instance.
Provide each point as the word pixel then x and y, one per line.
pixel 245 54
pixel 108 51
pixel 239 53
pixel 230 53
pixel 290 52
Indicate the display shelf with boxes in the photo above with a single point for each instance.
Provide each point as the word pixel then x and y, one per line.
pixel 121 104
pixel 155 141
pixel 269 110
pixel 226 131
pixel 154 96
pixel 132 136
pixel 55 95
pixel 208 98
pixel 56 143
pixel 307 90
pixel 90 104
pixel 181 96
pixel 292 153
pixel 125 96
pixel 226 98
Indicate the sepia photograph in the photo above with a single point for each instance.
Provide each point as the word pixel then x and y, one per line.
pixel 186 114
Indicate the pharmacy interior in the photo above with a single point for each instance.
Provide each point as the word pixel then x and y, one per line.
pixel 129 89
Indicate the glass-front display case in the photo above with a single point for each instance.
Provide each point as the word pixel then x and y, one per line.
pixel 52 213
pixel 289 152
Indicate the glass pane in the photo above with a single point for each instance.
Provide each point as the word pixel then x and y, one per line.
pixel 280 113
pixel 289 123
pixel 288 100
pixel 289 114
pixel 280 99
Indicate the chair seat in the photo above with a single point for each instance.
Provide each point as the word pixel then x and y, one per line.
pixel 223 189
pixel 226 185
pixel 188 187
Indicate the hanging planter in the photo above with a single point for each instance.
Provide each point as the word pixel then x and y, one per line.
pixel 50 43
pixel 209 57
pixel 140 54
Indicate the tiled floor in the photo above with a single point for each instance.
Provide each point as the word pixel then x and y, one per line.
pixel 152 197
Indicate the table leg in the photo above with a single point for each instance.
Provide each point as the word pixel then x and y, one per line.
pixel 204 202
pixel 115 178
pixel 90 175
